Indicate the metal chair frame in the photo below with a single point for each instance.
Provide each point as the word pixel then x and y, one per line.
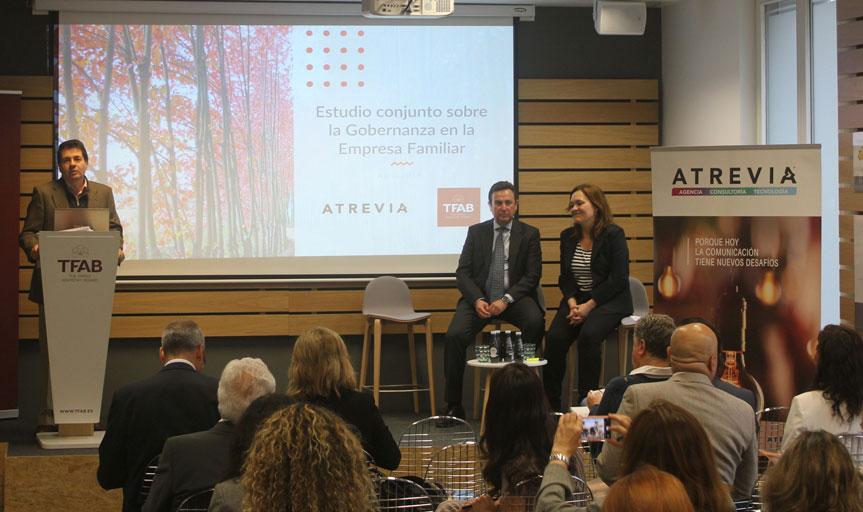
pixel 456 468
pixel 197 502
pixel 417 501
pixel 148 477
pixel 424 438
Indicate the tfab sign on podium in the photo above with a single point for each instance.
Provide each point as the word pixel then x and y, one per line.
pixel 78 271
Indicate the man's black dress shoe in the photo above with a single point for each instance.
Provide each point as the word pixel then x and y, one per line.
pixel 452 411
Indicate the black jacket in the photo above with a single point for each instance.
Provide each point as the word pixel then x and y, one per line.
pixel 609 266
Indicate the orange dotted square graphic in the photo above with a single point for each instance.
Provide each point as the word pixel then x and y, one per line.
pixel 458 206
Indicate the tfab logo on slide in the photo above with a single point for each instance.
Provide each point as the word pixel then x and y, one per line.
pixel 458 206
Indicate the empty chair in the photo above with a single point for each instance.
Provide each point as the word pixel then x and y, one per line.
pixel 457 470
pixel 388 299
pixel 424 438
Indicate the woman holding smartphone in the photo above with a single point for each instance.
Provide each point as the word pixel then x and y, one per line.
pixel 594 281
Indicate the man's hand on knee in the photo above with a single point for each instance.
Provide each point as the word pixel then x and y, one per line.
pixel 483 310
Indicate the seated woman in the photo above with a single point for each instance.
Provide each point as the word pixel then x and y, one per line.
pixel 306 458
pixel 647 489
pixel 663 435
pixel 518 429
pixel 321 374
pixel 594 281
pixel 228 495
pixel 815 472
pixel 835 403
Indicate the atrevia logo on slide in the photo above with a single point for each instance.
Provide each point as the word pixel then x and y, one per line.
pixel 80 262
pixel 757 181
pixel 458 206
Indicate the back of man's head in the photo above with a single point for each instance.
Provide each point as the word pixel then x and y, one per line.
pixel 181 338
pixel 243 380
pixel 693 349
pixel 655 331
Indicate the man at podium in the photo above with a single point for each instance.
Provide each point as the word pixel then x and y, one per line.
pixel 72 190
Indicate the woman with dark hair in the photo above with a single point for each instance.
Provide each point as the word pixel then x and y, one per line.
pixel 594 281
pixel 670 438
pixel 815 473
pixel 835 403
pixel 516 442
pixel 228 495
pixel 321 374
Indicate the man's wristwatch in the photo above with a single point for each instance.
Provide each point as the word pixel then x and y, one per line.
pixel 506 300
pixel 559 456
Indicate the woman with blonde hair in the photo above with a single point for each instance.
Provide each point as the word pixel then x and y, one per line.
pixel 647 490
pixel 304 458
pixel 814 474
pixel 321 374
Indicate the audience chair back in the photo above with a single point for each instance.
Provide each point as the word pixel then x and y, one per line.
pixel 147 479
pixel 523 496
pixel 424 438
pixel 388 299
pixel 399 494
pixel 771 423
pixel 457 469
pixel 198 502
pixel 854 444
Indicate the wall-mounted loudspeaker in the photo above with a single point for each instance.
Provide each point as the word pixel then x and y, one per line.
pixel 619 17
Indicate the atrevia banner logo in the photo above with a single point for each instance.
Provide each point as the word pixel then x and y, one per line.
pixel 719 181
pixel 458 206
pixel 80 262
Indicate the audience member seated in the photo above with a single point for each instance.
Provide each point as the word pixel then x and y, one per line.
pixel 228 495
pixel 728 421
pixel 177 400
pixel 518 429
pixel 556 479
pixel 649 363
pixel 647 489
pixel 666 436
pixel 835 403
pixel 815 473
pixel 321 374
pixel 194 462
pixel 741 393
pixel 306 458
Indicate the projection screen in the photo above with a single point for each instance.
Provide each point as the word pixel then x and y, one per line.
pixel 292 150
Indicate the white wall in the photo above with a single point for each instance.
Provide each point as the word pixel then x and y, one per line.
pixel 709 80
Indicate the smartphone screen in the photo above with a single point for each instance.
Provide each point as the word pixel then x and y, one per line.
pixel 596 429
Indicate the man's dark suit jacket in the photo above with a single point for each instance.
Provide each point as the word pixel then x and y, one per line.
pixel 177 400
pixel 47 197
pixel 358 409
pixel 609 267
pixel 190 463
pixel 525 261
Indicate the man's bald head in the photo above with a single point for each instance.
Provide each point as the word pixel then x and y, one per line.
pixel 693 349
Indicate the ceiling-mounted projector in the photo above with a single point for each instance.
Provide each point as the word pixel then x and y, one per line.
pixel 619 18
pixel 407 8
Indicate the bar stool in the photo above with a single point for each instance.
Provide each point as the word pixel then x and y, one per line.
pixel 388 299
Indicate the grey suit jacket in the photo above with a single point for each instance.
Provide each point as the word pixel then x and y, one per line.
pixel 728 421
pixel 228 497
pixel 40 217
pixel 190 463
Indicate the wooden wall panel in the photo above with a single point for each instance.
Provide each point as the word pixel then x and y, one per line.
pixel 570 131
pixel 849 32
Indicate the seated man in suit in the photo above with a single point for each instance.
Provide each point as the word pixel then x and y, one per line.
pixel 728 421
pixel 497 275
pixel 649 363
pixel 198 461
pixel 176 400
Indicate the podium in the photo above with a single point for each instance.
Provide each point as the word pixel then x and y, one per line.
pixel 78 272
